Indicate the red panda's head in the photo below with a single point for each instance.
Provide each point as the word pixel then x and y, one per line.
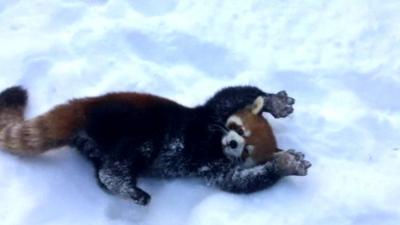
pixel 249 136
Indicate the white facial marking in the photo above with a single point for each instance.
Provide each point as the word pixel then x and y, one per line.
pixel 249 162
pixel 250 149
pixel 234 119
pixel 247 133
pixel 228 150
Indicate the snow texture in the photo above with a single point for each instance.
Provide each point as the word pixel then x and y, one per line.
pixel 339 59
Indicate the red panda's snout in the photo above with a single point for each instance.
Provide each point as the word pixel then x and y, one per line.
pixel 233 144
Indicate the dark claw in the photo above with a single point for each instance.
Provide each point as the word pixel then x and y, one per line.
pixel 143 199
pixel 307 164
pixel 291 101
pixel 282 94
pixel 291 151
pixel 289 110
pixel 298 155
pixel 303 168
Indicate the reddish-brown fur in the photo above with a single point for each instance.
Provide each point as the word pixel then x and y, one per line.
pixel 54 128
pixel 261 137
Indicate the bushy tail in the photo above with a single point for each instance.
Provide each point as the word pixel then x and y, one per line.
pixel 50 130
pixel 12 105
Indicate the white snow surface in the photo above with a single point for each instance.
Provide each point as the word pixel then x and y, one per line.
pixel 340 59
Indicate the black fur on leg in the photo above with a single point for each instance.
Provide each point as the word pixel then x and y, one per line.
pixel 117 178
pixel 85 145
pixel 236 179
pixel 13 97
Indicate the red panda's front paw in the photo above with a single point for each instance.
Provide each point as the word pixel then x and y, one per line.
pixel 279 105
pixel 291 162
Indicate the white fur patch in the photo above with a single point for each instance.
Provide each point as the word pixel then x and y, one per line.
pixel 250 149
pixel 233 152
pixel 247 133
pixel 258 105
pixel 234 119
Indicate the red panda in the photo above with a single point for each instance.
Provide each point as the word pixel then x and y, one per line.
pixel 226 141
pixel 248 128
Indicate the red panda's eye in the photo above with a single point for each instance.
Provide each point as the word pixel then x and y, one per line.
pixel 240 131
pixel 232 126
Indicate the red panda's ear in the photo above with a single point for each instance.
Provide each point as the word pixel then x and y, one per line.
pixel 258 104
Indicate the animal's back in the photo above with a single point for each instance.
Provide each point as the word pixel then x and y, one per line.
pixel 103 115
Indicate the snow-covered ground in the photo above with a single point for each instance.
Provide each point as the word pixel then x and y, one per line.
pixel 340 59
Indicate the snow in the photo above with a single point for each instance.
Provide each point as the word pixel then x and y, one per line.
pixel 339 59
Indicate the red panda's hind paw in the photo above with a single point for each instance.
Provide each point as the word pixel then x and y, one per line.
pixel 141 197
